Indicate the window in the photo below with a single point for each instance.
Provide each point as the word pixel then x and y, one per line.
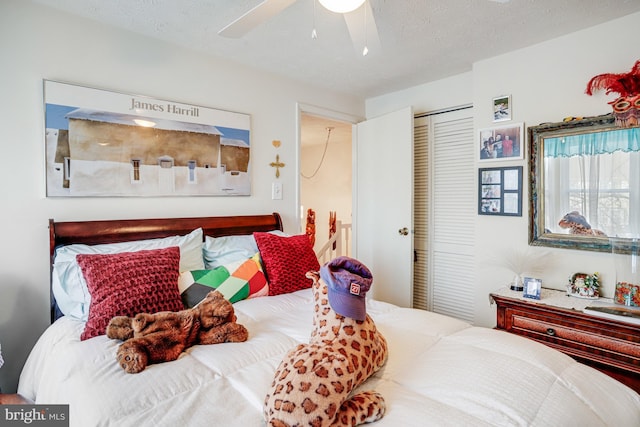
pixel 165 163
pixel 191 167
pixel 135 166
pixel 596 175
pixel 67 168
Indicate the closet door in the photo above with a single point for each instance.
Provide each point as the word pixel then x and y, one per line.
pixel 445 219
pixel 421 212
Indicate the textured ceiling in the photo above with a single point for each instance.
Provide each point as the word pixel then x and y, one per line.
pixel 314 130
pixel 420 40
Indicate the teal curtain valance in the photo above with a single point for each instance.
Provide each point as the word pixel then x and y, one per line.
pixel 591 144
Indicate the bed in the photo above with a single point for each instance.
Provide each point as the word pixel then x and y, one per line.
pixel 440 370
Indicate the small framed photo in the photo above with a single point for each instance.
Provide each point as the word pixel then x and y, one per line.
pixel 502 108
pixel 500 191
pixel 502 143
pixel 532 288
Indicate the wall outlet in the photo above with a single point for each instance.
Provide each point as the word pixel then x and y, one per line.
pixel 276 191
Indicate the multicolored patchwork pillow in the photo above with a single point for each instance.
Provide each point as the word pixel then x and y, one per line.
pixel 236 281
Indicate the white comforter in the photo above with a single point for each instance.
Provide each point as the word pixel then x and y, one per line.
pixel 440 371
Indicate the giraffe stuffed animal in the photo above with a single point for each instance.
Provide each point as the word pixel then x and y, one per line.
pixel 313 384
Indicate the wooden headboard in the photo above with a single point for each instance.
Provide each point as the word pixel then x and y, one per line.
pixel 113 231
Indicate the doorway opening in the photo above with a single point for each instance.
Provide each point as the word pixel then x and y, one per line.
pixel 325 178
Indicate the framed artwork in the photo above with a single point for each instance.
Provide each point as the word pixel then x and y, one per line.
pixel 108 144
pixel 500 191
pixel 502 108
pixel 502 143
pixel 532 288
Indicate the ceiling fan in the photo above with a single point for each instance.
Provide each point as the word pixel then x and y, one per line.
pixel 362 26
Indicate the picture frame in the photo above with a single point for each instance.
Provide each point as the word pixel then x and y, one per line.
pixel 502 108
pixel 501 143
pixel 500 191
pixel 532 288
pixel 100 143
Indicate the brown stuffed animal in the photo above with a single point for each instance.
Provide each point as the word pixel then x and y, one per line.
pixel 162 337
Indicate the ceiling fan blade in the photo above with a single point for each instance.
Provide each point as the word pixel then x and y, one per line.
pixel 253 18
pixel 356 24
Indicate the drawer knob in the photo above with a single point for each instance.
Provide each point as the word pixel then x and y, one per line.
pixel 551 332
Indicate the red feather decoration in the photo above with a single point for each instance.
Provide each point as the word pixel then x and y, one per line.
pixel 626 84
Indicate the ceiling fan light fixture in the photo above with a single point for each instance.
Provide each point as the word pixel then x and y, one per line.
pixel 341 6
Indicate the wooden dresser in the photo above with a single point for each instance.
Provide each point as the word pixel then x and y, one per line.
pixel 608 345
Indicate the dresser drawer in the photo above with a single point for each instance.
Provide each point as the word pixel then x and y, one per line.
pixel 610 346
pixel 579 339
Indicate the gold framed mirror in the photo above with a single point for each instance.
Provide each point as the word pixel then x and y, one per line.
pixel 584 183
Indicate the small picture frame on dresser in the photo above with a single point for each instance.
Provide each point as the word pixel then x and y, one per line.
pixel 532 288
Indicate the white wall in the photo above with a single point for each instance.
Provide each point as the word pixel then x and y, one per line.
pixel 330 188
pixel 40 43
pixel 451 92
pixel 547 83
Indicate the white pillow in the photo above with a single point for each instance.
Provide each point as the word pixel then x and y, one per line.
pixel 70 288
pixel 219 251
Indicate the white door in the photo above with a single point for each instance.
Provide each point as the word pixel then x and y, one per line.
pixel 383 204
pixel 166 176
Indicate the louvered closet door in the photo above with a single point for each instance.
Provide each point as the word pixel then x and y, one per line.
pixel 448 218
pixel 421 212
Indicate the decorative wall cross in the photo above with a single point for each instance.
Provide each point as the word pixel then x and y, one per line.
pixel 277 164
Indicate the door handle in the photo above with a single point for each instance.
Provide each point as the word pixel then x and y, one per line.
pixel 403 231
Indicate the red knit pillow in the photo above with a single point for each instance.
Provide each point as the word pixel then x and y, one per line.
pixel 286 261
pixel 128 283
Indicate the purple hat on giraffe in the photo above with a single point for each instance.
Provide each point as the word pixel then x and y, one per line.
pixel 348 280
